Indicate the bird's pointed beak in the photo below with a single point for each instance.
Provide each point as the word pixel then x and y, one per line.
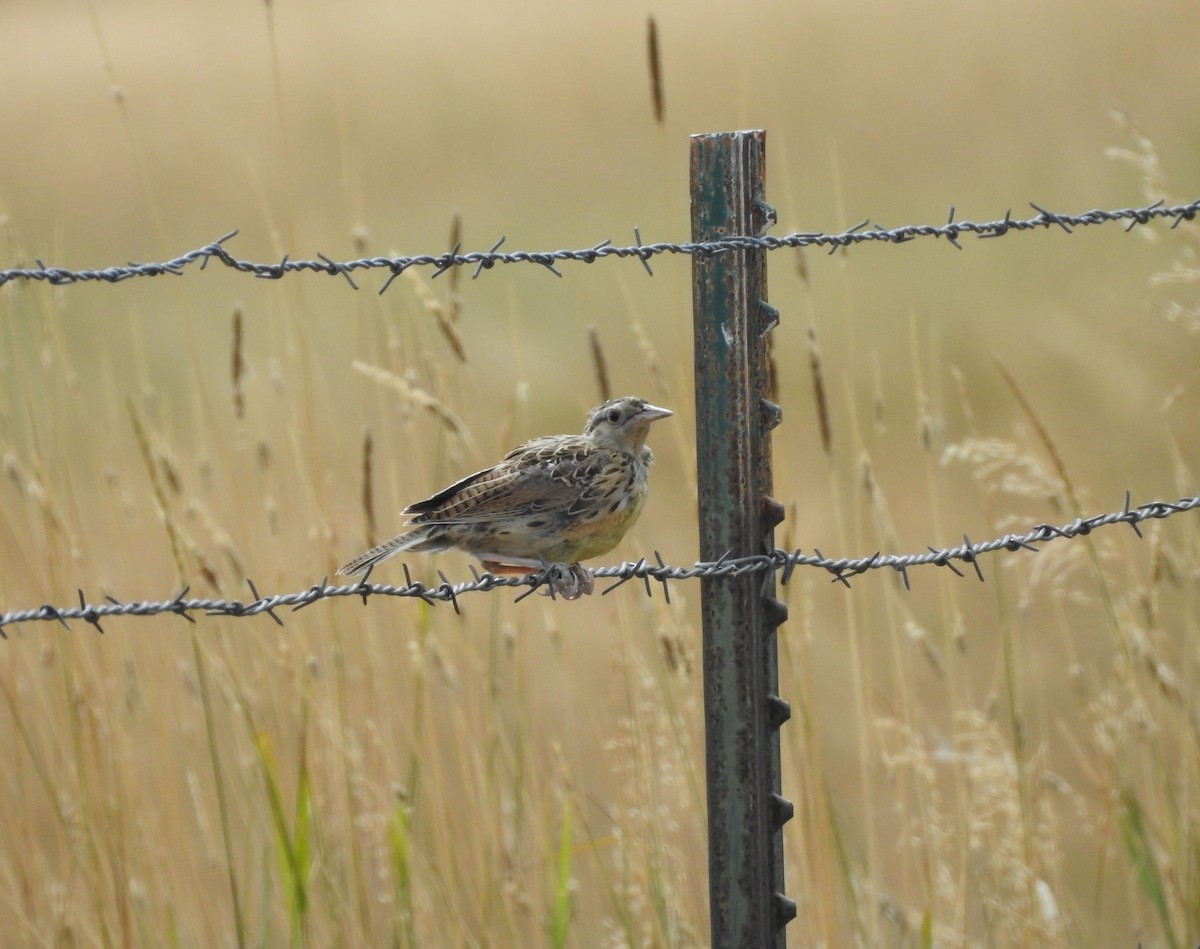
pixel 652 413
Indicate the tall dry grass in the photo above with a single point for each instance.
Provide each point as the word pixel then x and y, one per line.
pixel 1006 763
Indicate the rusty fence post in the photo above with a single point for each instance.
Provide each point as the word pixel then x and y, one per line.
pixel 742 708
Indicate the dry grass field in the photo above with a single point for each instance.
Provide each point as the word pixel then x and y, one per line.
pixel 1007 763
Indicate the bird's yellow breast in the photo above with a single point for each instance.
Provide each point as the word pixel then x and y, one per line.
pixel 598 535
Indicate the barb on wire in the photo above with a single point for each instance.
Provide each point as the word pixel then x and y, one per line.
pixel 550 579
pixel 860 233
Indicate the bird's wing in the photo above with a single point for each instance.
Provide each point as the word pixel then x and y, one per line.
pixel 447 495
pixel 546 475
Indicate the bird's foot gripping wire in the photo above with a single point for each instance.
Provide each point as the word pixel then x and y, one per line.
pixel 570 581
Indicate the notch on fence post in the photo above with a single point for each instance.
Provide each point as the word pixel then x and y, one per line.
pixel 742 708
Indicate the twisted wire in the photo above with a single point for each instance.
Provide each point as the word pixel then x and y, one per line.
pixel 861 233
pixel 842 570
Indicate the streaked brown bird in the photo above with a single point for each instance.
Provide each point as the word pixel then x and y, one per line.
pixel 558 500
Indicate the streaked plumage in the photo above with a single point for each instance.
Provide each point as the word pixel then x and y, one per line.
pixel 557 499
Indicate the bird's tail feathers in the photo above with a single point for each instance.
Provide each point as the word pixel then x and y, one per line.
pixel 413 540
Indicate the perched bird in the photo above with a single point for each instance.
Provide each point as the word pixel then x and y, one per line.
pixel 556 500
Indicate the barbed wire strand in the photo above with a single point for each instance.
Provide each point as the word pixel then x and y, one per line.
pixel 861 233
pixel 549 578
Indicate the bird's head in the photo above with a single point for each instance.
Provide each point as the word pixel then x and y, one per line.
pixel 623 423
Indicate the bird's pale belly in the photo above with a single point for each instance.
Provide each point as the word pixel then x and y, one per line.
pixel 553 539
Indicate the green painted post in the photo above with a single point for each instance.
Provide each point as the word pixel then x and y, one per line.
pixel 742 708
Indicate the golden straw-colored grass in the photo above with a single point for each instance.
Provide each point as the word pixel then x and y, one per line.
pixel 1013 763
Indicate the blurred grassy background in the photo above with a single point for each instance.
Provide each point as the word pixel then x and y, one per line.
pixel 1007 763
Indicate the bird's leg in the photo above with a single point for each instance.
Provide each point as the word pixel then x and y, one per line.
pixel 570 581
pixel 585 582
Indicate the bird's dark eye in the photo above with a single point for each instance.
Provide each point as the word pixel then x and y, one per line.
pixel 614 415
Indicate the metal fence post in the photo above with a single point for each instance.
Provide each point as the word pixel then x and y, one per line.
pixel 742 708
